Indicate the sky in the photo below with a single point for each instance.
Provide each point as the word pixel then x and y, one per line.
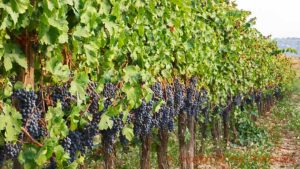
pixel 279 18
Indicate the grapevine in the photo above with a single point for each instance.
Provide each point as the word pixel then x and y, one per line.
pixel 79 77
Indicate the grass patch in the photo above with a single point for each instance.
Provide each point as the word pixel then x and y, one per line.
pixel 249 157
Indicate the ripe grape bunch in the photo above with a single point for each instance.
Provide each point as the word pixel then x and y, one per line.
pixel 143 120
pixel 33 126
pixel 26 102
pixel 166 114
pixel 73 143
pixel 11 150
pixel 2 157
pixel 179 96
pixel 109 135
pixel 109 90
pixel 190 97
pixel 171 106
pixel 61 93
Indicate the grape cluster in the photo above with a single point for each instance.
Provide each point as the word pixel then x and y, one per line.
pixel 204 104
pixel 258 97
pixel 11 150
pixel 249 99
pixel 143 121
pixel 2 157
pixel 227 108
pixel 73 143
pixel 197 104
pixel 191 98
pixel 179 96
pixel 109 135
pixel 123 140
pixel 237 100
pixel 94 99
pixel 31 114
pixel 61 93
pixel 171 106
pixel 26 102
pixel 91 129
pixel 109 90
pixel 52 164
pixel 164 118
pixel 82 139
pixel 34 128
pixel 157 91
pixel 277 92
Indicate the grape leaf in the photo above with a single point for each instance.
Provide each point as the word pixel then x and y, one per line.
pixel 75 116
pixel 105 122
pixel 28 155
pixel 7 63
pixel 20 6
pixel 10 121
pixel 134 94
pixel 57 127
pixel 128 133
pixel 13 53
pixel 78 86
pixel 60 72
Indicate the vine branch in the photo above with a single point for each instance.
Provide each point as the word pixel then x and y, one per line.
pixel 31 138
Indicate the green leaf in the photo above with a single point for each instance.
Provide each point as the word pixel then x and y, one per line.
pixel 28 155
pixel 41 157
pixel 14 15
pixel 19 85
pixel 134 95
pixel 62 158
pixel 149 94
pixel 63 37
pixel 157 105
pixel 128 133
pixel 7 90
pixel 113 110
pixel 75 116
pixel 60 72
pixel 105 7
pixel 7 63
pixel 78 86
pixel 56 124
pixel 105 122
pixel 132 74
pixel 81 32
pixel 90 51
pixel 20 59
pixel 47 35
pixel 53 29
pixel 20 6
pixel 13 53
pixel 10 121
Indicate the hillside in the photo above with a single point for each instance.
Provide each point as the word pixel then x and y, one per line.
pixel 289 43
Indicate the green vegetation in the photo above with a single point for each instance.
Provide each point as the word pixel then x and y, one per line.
pixel 284 118
pixel 133 83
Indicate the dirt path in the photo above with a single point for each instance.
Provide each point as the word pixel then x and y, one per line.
pixel 286 154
